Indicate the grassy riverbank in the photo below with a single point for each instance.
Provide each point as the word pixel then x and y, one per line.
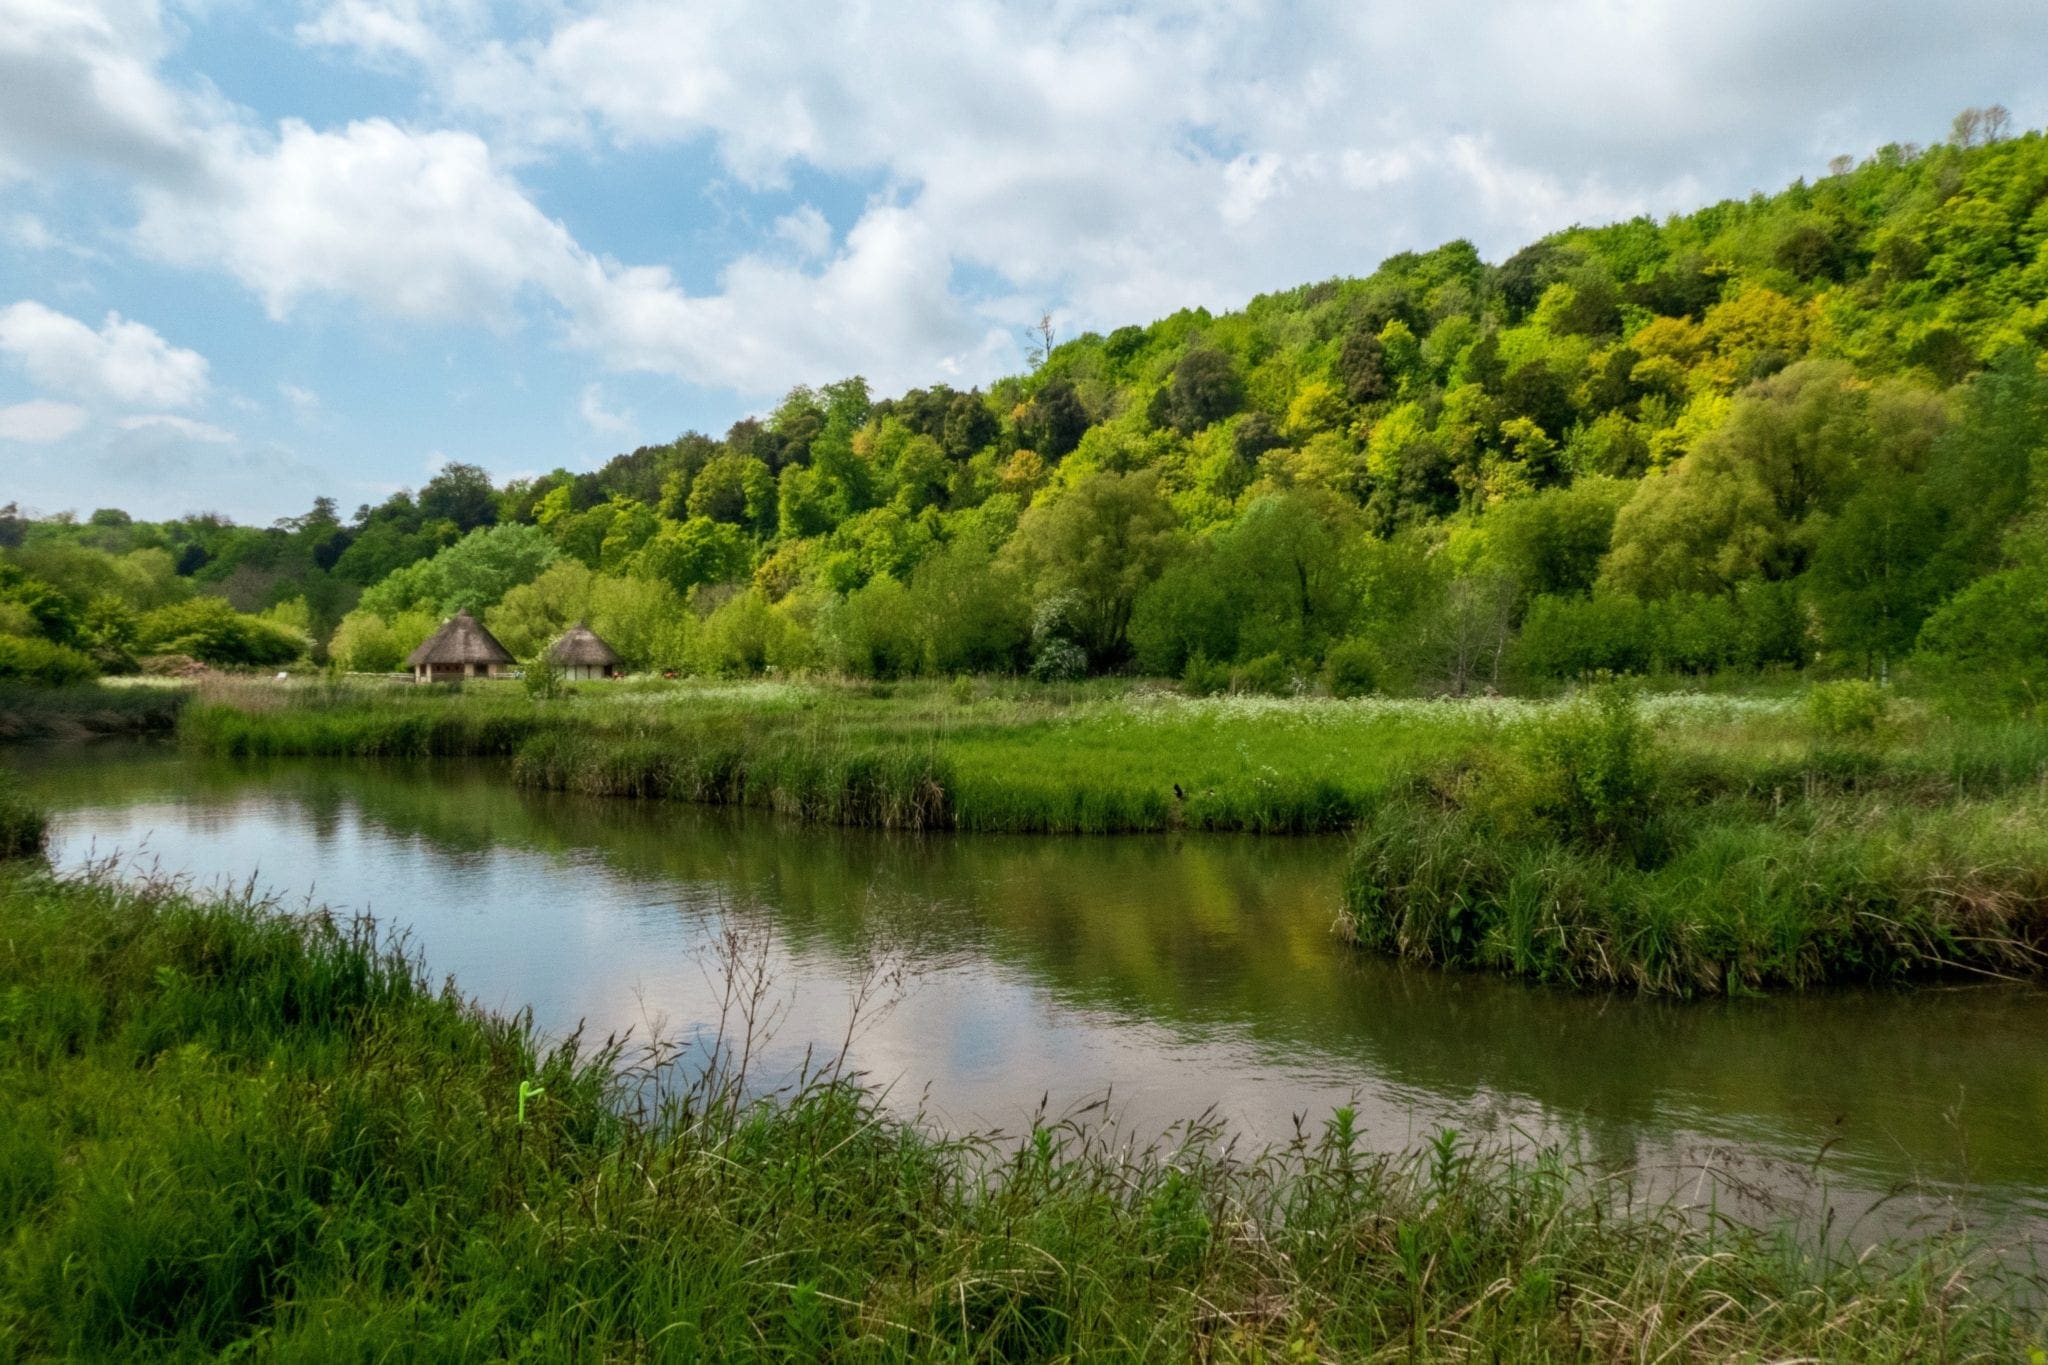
pixel 1680 843
pixel 222 1128
pixel 1007 756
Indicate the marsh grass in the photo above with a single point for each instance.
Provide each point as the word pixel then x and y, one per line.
pixel 1591 854
pixel 228 1130
pixel 24 826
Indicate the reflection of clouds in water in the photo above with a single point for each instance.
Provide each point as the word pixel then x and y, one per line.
pixel 1174 977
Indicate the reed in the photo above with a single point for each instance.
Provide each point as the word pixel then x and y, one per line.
pixel 224 1130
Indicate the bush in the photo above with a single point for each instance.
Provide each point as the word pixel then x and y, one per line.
pixel 1269 673
pixel 1847 708
pixel 1587 773
pixel 1352 669
pixel 1057 660
pixel 213 632
pixel 1202 678
pixel 24 659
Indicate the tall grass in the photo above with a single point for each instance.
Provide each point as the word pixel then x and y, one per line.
pixel 223 1130
pixel 1585 854
pixel 24 826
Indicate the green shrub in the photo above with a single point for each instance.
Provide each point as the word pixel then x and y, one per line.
pixel 1269 674
pixel 1057 660
pixel 24 659
pixel 1850 707
pixel 1352 669
pixel 1202 678
pixel 213 632
pixel 1588 773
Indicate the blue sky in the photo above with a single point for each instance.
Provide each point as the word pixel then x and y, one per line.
pixel 254 252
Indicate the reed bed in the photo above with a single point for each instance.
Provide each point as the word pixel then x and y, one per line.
pixel 230 1131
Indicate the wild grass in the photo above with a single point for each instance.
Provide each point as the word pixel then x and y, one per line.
pixel 24 826
pixel 1587 852
pixel 1006 757
pixel 227 1130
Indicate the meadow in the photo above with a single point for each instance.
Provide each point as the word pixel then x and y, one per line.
pixel 1676 843
pixel 227 1130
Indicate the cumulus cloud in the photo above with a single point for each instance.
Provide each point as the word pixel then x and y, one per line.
pixel 78 85
pixel 40 421
pixel 126 362
pixel 1108 161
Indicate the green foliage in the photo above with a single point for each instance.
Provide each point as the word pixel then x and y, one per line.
pixel 1588 774
pixel 24 826
pixel 211 631
pixel 1802 426
pixel 1847 708
pixel 31 660
pixel 472 574
pixel 542 676
pixel 1353 669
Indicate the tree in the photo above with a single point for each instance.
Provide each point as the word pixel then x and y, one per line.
pixel 1205 387
pixel 1054 420
pixel 462 494
pixel 737 489
pixel 700 550
pixel 1101 543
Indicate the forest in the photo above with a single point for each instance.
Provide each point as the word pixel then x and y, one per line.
pixel 1801 430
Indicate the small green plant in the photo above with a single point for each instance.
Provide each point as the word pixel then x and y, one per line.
pixel 1848 709
pixel 543 677
pixel 1204 678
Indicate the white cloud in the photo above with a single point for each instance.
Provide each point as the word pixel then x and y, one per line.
pixel 591 406
pixel 124 361
pixel 182 426
pixel 1109 161
pixel 303 400
pixel 806 230
pixel 40 421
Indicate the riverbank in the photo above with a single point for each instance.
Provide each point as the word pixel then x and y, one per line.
pixel 228 1128
pixel 1681 843
pixel 127 708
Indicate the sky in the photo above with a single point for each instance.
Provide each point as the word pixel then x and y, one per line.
pixel 258 251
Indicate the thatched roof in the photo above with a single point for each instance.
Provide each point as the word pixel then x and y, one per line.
pixel 461 639
pixel 580 646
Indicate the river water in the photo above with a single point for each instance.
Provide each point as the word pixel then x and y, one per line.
pixel 1172 975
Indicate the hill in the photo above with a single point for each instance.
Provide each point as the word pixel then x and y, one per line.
pixel 1801 427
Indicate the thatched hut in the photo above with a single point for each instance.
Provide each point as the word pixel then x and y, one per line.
pixel 582 654
pixel 461 648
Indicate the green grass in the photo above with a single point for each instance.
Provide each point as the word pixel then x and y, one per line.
pixel 24 827
pixel 1011 757
pixel 223 1130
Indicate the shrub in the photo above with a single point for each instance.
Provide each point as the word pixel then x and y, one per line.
pixel 1057 660
pixel 1352 669
pixel 24 659
pixel 1587 773
pixel 1269 673
pixel 1203 678
pixel 1850 707
pixel 210 630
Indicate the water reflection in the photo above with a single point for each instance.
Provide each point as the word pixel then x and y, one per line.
pixel 1179 973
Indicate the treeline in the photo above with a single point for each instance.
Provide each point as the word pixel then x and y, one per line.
pixel 1797 428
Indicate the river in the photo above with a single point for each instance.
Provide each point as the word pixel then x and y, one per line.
pixel 1171 976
